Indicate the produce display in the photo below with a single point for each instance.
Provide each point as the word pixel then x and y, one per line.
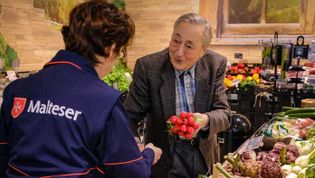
pixel 243 76
pixel 119 77
pixel 183 125
pixel 287 149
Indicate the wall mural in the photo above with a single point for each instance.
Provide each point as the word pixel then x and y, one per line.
pixel 58 10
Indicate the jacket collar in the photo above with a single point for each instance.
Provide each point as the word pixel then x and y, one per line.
pixel 78 61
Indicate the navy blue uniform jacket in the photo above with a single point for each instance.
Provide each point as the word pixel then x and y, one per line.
pixel 65 122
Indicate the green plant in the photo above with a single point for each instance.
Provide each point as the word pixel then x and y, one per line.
pixel 118 77
pixel 120 4
pixel 7 54
pixel 266 52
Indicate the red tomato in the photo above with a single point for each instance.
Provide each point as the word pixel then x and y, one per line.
pixel 230 77
pixel 241 65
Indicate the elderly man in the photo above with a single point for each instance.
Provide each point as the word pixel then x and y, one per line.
pixel 184 77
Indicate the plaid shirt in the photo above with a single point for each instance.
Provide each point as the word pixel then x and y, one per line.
pixel 185 90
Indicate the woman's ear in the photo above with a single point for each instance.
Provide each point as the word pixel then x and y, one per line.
pixel 110 51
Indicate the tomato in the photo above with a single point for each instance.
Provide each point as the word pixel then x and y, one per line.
pixel 241 65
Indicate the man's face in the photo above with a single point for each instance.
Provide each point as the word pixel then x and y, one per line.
pixel 185 46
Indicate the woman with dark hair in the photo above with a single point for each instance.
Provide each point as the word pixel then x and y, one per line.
pixel 64 121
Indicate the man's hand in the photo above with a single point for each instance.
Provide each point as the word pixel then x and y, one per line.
pixel 203 121
pixel 157 152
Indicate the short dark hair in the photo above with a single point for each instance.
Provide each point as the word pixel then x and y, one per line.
pixel 94 25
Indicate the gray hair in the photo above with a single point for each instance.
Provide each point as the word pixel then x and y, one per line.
pixel 194 18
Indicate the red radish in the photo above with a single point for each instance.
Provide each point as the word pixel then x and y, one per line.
pixel 175 130
pixel 303 133
pixel 188 135
pixel 174 119
pixel 181 133
pixel 185 122
pixel 190 129
pixel 191 121
pixel 196 126
pixel 183 115
pixel 183 128
pixel 179 122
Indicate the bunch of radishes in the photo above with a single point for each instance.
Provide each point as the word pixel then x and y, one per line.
pixel 183 126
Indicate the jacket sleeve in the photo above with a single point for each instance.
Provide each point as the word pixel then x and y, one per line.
pixel 118 151
pixel 220 113
pixel 4 148
pixel 137 102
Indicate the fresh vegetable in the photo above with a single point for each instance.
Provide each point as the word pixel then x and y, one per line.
pixel 119 77
pixel 303 115
pixel 270 169
pixel 184 125
pixel 311 133
pixel 305 160
pixel 302 173
pixel 296 169
pixel 310 171
pixel 291 175
pixel 223 171
pixel 286 108
pixel 300 110
pixel 286 169
pixel 249 168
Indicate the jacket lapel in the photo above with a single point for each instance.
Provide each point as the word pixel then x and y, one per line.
pixel 202 86
pixel 167 90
